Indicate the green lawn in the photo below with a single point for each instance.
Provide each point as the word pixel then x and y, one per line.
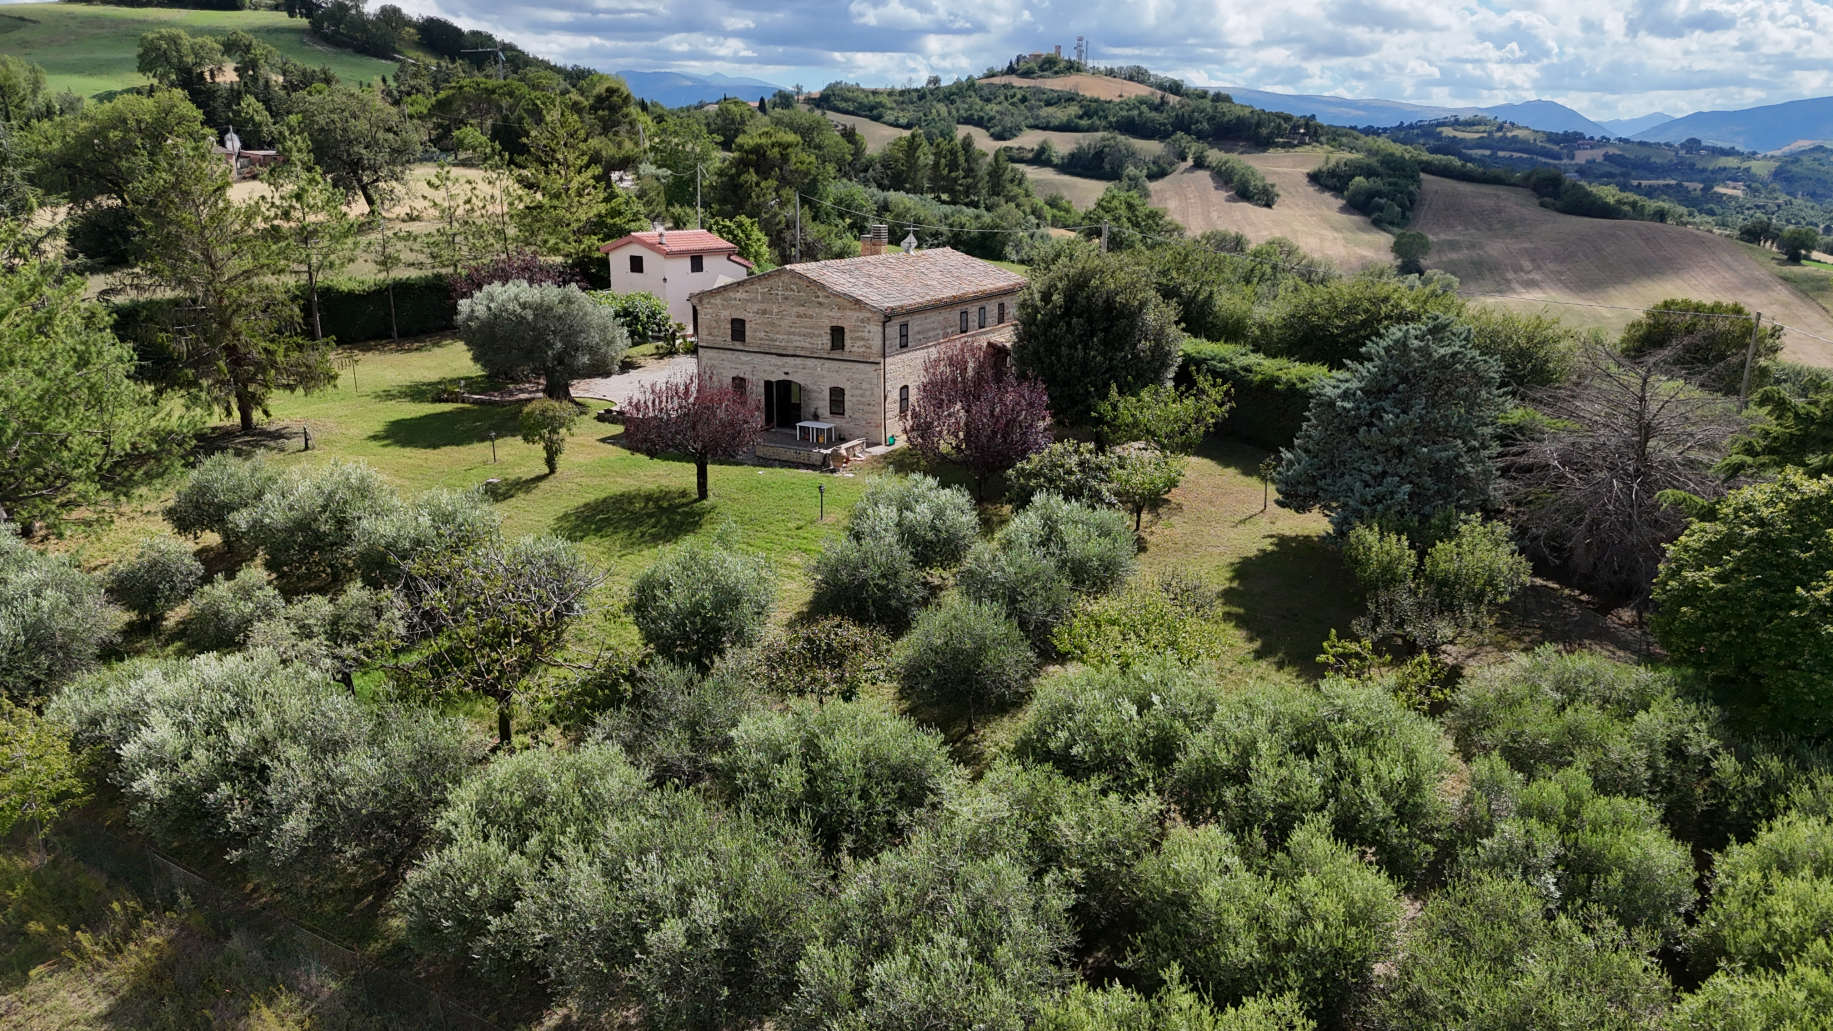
pixel 91 49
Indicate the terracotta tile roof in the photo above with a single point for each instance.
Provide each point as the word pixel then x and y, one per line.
pixel 676 241
pixel 896 282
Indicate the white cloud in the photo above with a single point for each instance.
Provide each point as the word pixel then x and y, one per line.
pixel 1607 58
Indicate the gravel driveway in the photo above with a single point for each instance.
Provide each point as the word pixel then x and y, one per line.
pixel 619 389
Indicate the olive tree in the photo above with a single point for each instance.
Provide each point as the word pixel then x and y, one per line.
pixel 517 331
pixel 701 599
pixel 54 619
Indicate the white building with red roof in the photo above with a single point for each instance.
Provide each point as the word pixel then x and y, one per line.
pixel 672 264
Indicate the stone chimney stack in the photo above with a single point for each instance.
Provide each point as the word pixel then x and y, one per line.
pixel 876 241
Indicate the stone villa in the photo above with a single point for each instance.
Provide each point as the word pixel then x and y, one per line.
pixel 844 342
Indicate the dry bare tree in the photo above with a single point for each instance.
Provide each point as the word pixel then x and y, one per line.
pixel 1584 489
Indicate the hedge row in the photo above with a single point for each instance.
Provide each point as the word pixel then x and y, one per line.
pixel 1271 394
pixel 351 313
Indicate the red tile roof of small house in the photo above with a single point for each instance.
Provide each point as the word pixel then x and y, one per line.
pixel 678 242
pixel 895 282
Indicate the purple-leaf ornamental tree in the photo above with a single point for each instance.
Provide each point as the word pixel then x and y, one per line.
pixel 693 419
pixel 973 410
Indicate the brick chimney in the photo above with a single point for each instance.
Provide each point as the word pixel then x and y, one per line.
pixel 876 241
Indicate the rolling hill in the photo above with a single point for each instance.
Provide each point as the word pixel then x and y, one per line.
pixel 1544 115
pixel 1767 128
pixel 678 89
pixel 90 49
pixel 1504 247
pixel 1632 126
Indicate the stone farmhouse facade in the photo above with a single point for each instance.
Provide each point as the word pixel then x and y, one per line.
pixel 673 264
pixel 846 341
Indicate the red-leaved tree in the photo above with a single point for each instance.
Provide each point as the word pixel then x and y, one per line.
pixel 973 410
pixel 693 419
pixel 526 266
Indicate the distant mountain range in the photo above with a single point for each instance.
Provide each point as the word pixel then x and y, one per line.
pixel 1544 115
pixel 1632 126
pixel 1766 128
pixel 677 89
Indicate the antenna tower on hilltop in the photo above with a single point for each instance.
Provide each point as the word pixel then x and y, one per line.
pixel 1081 49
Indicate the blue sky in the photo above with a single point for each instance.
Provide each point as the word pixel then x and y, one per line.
pixel 1608 58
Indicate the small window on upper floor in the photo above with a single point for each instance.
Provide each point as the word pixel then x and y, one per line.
pixel 836 400
pixel 636 264
pixel 738 331
pixel 836 338
pixel 964 320
pixel 983 316
pixel 738 385
pixel 1002 312
pixel 903 334
pixel 903 400
pixel 696 263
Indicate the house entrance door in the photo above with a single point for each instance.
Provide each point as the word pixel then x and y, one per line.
pixel 782 402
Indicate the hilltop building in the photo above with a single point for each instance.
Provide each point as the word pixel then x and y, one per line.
pixel 673 264
pixel 843 343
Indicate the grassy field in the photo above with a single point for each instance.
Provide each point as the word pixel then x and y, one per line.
pixel 90 49
pixel 1100 87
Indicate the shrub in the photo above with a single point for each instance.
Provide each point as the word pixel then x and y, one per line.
pixel 1534 351
pixel 967 655
pixel 1577 847
pixel 1746 597
pixel 1772 898
pixel 1482 955
pixel 547 422
pixel 352 312
pixel 1174 1007
pixel 857 775
pixel 870 578
pixel 1272 757
pixel 1331 322
pixel 1312 920
pixel 701 599
pixel 1089 838
pixel 1798 997
pixel 826 657
pixel 306 523
pixel 497 836
pixel 1049 553
pixel 224 612
pixel 155 581
pixel 339 634
pixel 1134 626
pixel 54 619
pixel 1271 395
pixel 890 958
pixel 1125 727
pixel 394 540
pixel 643 315
pixel 1627 727
pixel 700 914
pixel 678 721
pixel 1431 598
pixel 1092 322
pixel 936 524
pixel 275 763
pixel 220 487
pixel 1070 469
pixel 1709 347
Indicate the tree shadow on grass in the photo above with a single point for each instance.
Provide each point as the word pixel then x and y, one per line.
pixel 450 427
pixel 1289 596
pixel 632 520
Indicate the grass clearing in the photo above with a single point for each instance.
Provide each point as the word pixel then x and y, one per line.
pixel 90 49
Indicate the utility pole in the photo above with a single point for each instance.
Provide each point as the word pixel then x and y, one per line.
pixel 1750 357
pixel 697 224
pixel 798 247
